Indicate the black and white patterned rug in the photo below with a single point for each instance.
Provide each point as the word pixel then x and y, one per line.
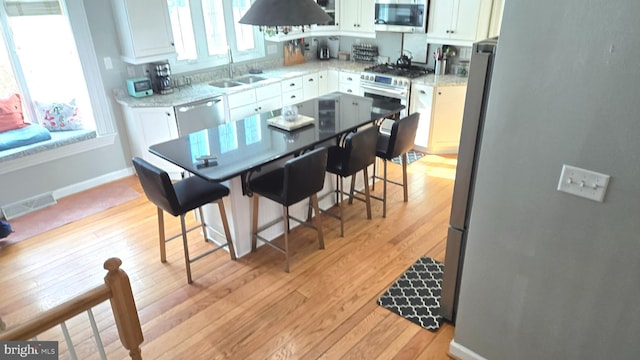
pixel 416 294
pixel 412 156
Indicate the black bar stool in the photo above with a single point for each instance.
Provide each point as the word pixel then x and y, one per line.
pixel 301 177
pixel 178 199
pixel 358 152
pixel 397 143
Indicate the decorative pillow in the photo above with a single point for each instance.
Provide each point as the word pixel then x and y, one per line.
pixel 58 116
pixel 11 116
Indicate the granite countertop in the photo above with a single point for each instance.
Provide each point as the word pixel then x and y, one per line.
pixel 441 80
pixel 202 90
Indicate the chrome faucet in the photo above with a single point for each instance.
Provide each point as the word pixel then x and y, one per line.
pixel 230 57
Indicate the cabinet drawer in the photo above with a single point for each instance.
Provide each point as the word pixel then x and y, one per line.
pixel 350 78
pixel 267 91
pixel 349 88
pixel 292 97
pixel 241 98
pixel 292 84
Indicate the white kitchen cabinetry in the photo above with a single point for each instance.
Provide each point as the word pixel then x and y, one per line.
pixel 144 30
pixel 441 109
pixel 333 80
pixel 421 101
pixel 357 18
pixel 292 90
pixel 147 126
pixel 254 101
pixel 349 83
pixel 323 82
pixel 458 22
pixel 310 86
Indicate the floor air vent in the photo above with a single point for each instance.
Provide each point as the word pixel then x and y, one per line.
pixel 26 206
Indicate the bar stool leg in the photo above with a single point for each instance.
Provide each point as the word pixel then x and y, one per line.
pixel 185 245
pixel 340 204
pixel 202 225
pixel 316 220
pixel 384 190
pixel 405 185
pixel 285 209
pixel 367 193
pixel 161 236
pixel 254 221
pixel 227 232
pixel 352 188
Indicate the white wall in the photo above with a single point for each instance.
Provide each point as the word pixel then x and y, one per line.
pixel 548 275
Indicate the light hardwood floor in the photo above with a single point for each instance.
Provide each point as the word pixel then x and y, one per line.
pixel 249 309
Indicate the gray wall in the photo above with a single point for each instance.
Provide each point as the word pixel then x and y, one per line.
pixel 548 275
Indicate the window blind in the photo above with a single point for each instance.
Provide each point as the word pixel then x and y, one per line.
pixel 32 7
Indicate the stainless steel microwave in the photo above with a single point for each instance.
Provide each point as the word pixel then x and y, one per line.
pixel 401 15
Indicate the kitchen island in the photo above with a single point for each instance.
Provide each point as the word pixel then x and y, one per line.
pixel 233 152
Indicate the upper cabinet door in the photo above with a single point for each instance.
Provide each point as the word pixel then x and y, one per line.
pixel 357 18
pixel 144 29
pixel 441 15
pixel 458 22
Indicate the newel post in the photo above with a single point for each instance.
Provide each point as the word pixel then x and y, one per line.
pixel 124 307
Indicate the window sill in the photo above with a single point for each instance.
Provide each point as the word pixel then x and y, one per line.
pixel 61 145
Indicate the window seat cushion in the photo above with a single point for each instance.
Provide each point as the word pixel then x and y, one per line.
pixel 27 135
pixel 14 147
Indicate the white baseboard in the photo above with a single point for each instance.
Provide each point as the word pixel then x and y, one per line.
pixel 460 352
pixel 91 183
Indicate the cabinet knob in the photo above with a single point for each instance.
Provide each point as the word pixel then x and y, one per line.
pixel 310 80
pixel 292 84
pixel 439 93
pixel 423 92
pixel 168 114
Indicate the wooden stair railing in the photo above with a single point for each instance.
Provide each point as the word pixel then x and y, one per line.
pixel 117 289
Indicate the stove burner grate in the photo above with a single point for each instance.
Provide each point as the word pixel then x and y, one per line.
pixel 390 69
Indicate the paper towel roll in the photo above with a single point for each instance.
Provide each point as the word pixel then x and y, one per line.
pixel 333 43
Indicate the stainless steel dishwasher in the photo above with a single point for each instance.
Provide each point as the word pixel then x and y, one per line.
pixel 198 115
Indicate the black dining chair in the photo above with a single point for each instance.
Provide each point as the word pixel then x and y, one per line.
pixel 301 177
pixel 356 154
pixel 178 199
pixel 397 143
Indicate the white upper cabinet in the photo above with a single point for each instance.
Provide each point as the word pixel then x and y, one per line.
pixel 144 29
pixel 357 18
pixel 458 22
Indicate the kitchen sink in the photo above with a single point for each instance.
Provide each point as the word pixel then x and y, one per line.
pixel 226 84
pixel 250 79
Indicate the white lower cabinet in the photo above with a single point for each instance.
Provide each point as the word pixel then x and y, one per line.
pixel 349 83
pixel 254 101
pixel 292 91
pixel 310 87
pixel 147 126
pixel 333 81
pixel 323 82
pixel 441 109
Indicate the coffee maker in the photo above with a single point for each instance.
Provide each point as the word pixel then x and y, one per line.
pixel 161 78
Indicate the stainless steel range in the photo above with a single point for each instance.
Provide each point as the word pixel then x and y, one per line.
pixel 390 82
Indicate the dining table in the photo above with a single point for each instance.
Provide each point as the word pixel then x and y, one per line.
pixel 234 151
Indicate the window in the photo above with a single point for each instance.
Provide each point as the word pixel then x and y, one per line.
pixel 42 66
pixel 204 30
pixel 70 16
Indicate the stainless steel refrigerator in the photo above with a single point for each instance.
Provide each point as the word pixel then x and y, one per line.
pixel 478 86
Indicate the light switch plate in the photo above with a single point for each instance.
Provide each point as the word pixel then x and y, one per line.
pixel 584 183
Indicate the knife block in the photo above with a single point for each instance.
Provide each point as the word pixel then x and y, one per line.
pixel 292 57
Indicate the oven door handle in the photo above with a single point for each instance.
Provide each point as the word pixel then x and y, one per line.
pixel 395 93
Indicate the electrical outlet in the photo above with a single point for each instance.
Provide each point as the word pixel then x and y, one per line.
pixel 272 49
pixel 131 71
pixel 108 65
pixel 584 183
